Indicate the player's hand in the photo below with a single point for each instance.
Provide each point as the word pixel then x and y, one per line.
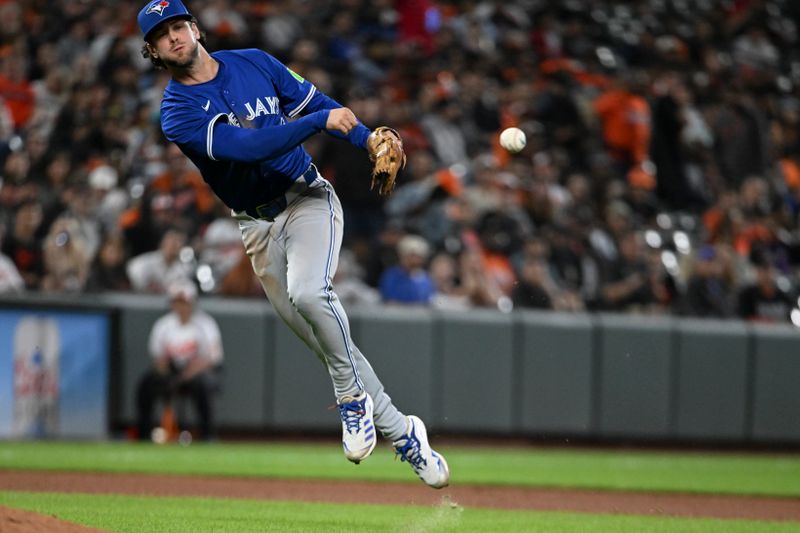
pixel 342 120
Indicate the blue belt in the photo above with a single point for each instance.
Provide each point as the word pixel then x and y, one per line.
pixel 268 211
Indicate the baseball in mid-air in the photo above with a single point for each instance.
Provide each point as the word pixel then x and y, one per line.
pixel 512 139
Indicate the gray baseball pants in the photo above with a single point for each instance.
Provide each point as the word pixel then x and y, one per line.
pixel 295 257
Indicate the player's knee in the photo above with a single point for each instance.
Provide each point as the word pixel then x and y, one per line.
pixel 306 300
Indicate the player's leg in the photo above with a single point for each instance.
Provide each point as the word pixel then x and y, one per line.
pixel 408 434
pixel 200 390
pixel 270 257
pixel 151 388
pixel 266 244
pixel 313 240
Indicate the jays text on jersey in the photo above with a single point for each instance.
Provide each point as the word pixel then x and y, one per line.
pixel 235 129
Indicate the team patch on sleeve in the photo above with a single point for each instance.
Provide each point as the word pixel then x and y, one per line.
pixel 295 75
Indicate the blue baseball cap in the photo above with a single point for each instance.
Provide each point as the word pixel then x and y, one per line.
pixel 155 12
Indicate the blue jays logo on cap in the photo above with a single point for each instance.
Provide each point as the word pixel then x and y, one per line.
pixel 157 11
pixel 158 7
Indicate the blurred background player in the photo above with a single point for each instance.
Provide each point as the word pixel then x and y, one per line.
pixel 186 351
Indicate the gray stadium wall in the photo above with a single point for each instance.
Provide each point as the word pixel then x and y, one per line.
pixel 532 374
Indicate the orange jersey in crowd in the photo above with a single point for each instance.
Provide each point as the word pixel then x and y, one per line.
pixel 19 99
pixel 626 123
pixel 742 236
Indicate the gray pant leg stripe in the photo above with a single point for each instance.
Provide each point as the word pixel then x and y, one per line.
pixel 330 293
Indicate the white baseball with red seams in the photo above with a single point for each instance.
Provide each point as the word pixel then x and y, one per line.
pixel 513 139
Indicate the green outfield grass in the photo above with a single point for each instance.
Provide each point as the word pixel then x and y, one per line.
pixel 163 515
pixel 777 475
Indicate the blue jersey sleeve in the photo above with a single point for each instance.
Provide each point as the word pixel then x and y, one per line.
pixel 218 140
pixel 297 95
pixel 232 143
pixel 294 91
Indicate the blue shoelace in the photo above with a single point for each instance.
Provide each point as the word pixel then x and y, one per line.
pixel 352 414
pixel 410 452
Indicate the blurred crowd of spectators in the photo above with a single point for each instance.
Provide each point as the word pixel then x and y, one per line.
pixel 661 173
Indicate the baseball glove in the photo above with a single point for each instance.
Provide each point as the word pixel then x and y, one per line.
pixel 385 148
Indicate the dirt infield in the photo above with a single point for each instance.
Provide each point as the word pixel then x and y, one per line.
pixel 19 521
pixel 610 502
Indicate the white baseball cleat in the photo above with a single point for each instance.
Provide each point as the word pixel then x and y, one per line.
pixel 358 428
pixel 413 447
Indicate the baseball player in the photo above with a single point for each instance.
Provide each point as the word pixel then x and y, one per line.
pixel 229 112
pixel 186 348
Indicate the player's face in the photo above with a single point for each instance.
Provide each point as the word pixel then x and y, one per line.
pixel 175 43
pixel 183 308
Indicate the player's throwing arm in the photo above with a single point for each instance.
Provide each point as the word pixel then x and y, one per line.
pixel 342 120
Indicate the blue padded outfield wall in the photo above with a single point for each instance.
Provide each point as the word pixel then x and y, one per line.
pixel 535 374
pixel 54 373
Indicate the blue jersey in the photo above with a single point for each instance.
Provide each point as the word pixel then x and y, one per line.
pixel 234 127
